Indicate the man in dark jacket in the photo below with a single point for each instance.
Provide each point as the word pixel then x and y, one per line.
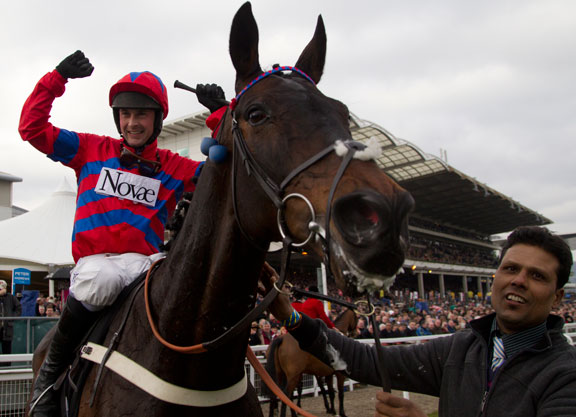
pixel 514 362
pixel 9 307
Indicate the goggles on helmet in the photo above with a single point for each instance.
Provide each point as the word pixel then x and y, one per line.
pixel 146 167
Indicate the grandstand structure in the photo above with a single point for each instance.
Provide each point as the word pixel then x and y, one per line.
pixel 453 221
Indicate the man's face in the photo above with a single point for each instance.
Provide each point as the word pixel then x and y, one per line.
pixel 524 289
pixel 137 126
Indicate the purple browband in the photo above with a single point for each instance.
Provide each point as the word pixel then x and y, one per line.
pixel 234 101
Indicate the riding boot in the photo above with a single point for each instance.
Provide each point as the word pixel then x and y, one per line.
pixel 72 326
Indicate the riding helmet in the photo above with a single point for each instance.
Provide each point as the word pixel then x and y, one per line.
pixel 140 90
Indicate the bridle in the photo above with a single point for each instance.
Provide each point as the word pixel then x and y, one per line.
pixel 275 193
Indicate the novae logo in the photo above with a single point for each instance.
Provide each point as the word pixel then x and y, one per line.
pixel 126 185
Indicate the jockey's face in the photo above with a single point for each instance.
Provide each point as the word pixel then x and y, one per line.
pixel 137 126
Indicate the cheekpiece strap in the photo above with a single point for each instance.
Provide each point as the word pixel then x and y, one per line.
pixel 234 101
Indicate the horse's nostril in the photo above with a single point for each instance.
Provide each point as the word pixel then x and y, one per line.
pixel 361 217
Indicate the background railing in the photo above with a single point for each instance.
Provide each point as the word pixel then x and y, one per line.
pixel 16 379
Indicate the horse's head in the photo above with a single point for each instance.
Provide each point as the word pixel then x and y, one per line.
pixel 291 130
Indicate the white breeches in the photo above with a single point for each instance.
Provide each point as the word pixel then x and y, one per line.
pixel 96 280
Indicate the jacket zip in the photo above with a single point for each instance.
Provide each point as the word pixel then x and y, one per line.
pixel 484 398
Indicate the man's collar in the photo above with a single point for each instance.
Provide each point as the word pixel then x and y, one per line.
pixel 516 342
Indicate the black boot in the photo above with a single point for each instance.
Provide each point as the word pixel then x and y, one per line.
pixel 72 326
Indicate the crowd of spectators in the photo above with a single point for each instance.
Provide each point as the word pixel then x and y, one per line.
pixel 422 318
pixel 441 228
pixel 49 306
pixel 411 316
pixel 450 252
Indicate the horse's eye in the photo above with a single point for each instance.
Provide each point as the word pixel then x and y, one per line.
pixel 256 117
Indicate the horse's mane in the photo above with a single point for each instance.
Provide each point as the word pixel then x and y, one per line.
pixel 174 223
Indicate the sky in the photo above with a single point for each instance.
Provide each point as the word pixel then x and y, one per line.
pixel 489 83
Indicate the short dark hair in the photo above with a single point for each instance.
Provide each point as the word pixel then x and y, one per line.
pixel 542 238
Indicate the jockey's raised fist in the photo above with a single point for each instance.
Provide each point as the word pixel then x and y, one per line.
pixel 75 66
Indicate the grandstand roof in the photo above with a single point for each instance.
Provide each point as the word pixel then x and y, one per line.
pixel 443 194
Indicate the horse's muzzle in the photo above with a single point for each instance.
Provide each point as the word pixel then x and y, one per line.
pixel 374 229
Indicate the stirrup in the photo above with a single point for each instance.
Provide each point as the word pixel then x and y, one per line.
pixel 33 405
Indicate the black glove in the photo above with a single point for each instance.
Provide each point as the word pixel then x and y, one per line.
pixel 211 96
pixel 75 66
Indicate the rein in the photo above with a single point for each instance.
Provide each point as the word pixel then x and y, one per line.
pixel 352 306
pixel 232 332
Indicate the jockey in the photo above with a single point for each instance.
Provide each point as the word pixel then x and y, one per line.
pixel 127 189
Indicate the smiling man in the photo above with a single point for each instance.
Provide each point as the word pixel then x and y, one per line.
pixel 515 362
pixel 526 287
pixel 127 189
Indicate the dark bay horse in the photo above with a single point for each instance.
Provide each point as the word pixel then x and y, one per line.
pixel 287 364
pixel 208 281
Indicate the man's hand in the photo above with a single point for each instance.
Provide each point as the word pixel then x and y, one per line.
pixel 280 307
pixel 388 405
pixel 211 96
pixel 75 66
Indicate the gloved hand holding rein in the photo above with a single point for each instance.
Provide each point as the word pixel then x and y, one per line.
pixel 75 66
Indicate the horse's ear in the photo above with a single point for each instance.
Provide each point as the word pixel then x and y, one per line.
pixel 313 57
pixel 244 46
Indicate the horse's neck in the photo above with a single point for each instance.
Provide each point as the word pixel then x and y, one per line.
pixel 209 278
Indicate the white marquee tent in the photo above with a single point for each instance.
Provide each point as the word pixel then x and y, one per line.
pixel 40 240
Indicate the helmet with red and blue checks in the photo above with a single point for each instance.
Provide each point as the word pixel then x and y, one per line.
pixel 145 83
pixel 140 90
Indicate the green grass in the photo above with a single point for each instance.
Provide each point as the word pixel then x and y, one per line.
pixel 434 414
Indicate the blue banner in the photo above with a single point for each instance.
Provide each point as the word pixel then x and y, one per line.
pixel 21 276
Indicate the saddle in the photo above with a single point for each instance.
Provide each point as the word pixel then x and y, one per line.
pixel 71 383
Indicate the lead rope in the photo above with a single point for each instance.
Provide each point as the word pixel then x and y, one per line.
pixel 384 381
